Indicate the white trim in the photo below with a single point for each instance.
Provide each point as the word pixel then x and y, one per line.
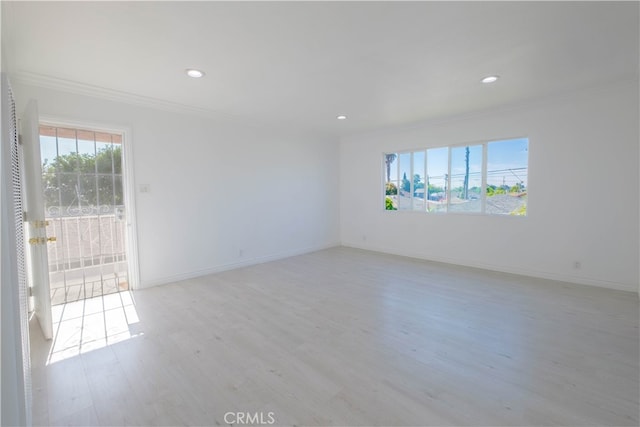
pixel 72 87
pixel 447 185
pixel 501 269
pixel 68 86
pixel 129 187
pixel 232 266
pixel 411 189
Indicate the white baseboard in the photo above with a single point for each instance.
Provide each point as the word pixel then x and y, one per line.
pixel 231 266
pixel 391 251
pixel 503 269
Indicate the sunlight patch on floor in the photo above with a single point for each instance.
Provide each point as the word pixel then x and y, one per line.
pixel 86 325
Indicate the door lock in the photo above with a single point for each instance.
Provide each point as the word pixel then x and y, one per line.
pixel 41 240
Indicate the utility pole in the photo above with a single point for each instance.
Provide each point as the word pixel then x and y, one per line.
pixel 446 184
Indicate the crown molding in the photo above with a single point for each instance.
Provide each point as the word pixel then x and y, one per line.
pixel 68 86
pixel 54 83
pixel 631 82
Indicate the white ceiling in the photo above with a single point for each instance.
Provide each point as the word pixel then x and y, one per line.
pixel 301 64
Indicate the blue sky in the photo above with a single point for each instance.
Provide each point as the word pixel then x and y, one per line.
pixel 502 156
pixel 66 146
pixel 510 153
pixel 507 154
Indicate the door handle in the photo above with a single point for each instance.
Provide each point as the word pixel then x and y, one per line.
pixel 41 240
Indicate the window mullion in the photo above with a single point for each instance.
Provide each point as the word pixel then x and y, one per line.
pixel 426 185
pixel 447 191
pixel 411 189
pixel 483 185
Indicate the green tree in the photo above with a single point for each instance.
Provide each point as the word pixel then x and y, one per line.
pixel 391 189
pixel 435 189
pixel 83 179
pixel 406 184
pixel 416 182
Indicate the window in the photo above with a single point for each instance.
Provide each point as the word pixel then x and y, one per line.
pixel 488 178
pixel 507 177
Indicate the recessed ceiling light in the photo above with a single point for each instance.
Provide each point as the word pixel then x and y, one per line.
pixel 490 79
pixel 341 117
pixel 196 74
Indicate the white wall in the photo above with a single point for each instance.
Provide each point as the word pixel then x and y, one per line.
pixel 217 187
pixel 582 203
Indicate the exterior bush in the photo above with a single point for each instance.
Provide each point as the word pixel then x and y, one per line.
pixel 391 189
pixel 388 204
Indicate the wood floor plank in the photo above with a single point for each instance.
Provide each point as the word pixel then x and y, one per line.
pixel 350 337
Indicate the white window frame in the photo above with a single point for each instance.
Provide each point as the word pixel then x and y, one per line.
pixel 483 192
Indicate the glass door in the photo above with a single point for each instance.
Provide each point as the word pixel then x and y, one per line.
pixel 82 181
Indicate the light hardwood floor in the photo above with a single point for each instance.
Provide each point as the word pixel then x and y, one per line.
pixel 349 337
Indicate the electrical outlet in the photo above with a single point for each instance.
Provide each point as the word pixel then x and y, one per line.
pixel 145 188
pixel 577 265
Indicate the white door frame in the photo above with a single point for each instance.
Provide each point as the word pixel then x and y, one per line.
pixel 128 184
